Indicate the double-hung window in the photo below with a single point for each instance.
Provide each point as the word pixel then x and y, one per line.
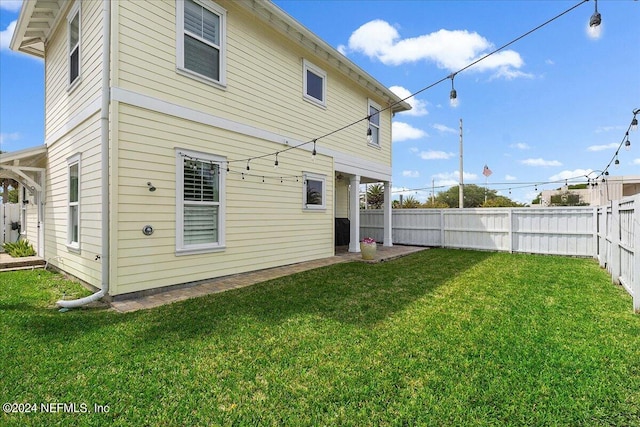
pixel 315 83
pixel 373 133
pixel 199 202
pixel 73 202
pixel 201 39
pixel 314 191
pixel 73 31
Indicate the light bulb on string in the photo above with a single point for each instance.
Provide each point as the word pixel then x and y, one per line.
pixel 596 18
pixel 248 167
pixel 453 95
pixel 634 121
pixel 314 152
pixel 275 164
pixel 627 143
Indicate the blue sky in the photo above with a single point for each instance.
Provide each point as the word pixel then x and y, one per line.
pixel 552 106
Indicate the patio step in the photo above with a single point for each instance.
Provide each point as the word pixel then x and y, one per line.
pixel 8 263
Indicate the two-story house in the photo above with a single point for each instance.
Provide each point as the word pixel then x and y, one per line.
pixel 191 139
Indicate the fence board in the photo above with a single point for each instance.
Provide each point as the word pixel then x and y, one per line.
pixel 9 213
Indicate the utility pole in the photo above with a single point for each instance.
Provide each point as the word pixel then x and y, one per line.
pixel 461 186
pixel 433 192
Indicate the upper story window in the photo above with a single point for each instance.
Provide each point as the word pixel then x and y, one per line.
pixel 73 26
pixel 315 83
pixel 373 133
pixel 201 39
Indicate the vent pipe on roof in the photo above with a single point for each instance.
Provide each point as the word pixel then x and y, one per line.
pixel 104 150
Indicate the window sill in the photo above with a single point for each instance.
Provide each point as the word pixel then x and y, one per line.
pixel 199 77
pixel 73 248
pixel 314 209
pixel 74 85
pixel 376 146
pixel 182 252
pixel 314 101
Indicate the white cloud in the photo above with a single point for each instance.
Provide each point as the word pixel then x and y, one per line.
pixel 418 107
pixel 636 161
pixel 11 5
pixel 549 62
pixel 540 162
pixel 6 137
pixel 6 34
pixel 342 49
pixel 601 129
pixel 574 174
pixel 611 146
pixel 444 129
pixel 453 178
pixel 510 178
pixel 404 131
pixel 450 50
pixel 435 155
pixel 411 174
pixel 520 146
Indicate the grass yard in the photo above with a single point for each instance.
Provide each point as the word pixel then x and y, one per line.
pixel 438 338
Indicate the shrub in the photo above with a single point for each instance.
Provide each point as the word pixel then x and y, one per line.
pixel 21 248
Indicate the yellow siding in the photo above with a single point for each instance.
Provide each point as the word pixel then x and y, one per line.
pixel 62 104
pixel 264 79
pixel 84 139
pixel 265 223
pixel 342 198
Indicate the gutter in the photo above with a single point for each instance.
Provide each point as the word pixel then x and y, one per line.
pixel 104 150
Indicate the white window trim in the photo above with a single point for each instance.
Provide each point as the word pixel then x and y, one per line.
pixel 180 68
pixel 71 161
pixel 314 177
pixel 306 65
pixel 371 103
pixel 181 248
pixel 75 10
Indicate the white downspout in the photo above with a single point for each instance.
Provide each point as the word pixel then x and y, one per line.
pixel 104 149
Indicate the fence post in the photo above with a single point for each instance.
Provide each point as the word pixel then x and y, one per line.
pixel 615 242
pixel 442 234
pixel 510 230
pixel 635 279
pixel 596 248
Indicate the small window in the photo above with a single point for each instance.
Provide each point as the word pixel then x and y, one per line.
pixel 314 191
pixel 373 133
pixel 200 202
pixel 73 202
pixel 315 83
pixel 201 38
pixel 73 25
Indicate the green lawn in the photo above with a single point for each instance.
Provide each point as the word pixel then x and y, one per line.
pixel 442 337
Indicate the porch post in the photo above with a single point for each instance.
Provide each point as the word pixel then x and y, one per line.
pixel 354 214
pixel 388 224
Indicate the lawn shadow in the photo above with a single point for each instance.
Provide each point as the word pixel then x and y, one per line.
pixel 358 294
pixel 353 293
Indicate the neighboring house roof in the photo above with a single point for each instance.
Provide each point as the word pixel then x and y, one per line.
pixel 38 18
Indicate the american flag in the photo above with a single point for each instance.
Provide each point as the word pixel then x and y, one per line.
pixel 486 172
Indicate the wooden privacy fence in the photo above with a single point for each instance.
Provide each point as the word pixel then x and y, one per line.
pixel 608 233
pixel 9 218
pixel 618 243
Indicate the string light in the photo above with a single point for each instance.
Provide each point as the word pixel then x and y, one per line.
pixel 453 95
pixel 275 164
pixel 313 153
pixel 625 141
pixel 248 167
pixel 596 19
